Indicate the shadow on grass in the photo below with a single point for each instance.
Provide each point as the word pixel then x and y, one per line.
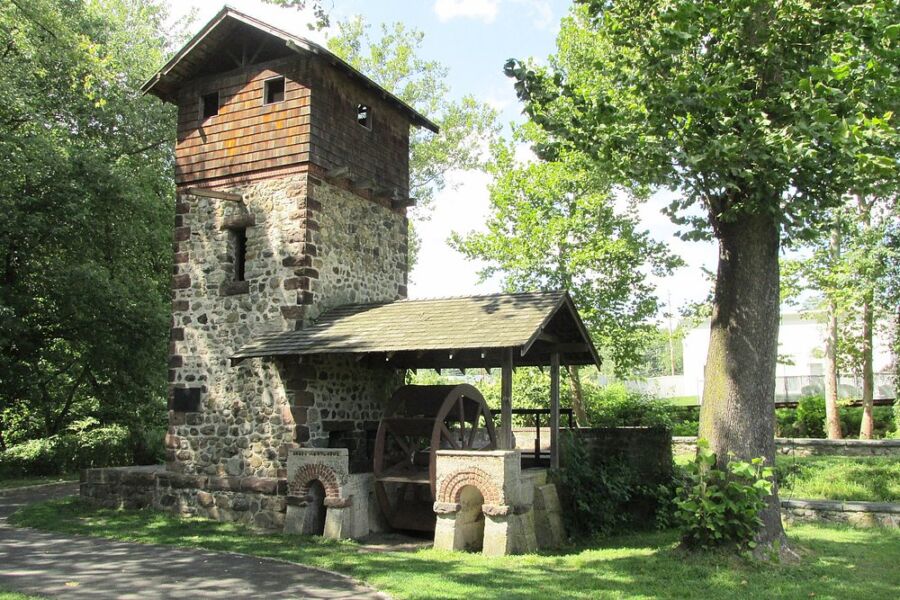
pixel 840 562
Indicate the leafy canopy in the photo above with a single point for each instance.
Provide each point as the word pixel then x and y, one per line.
pixel 86 214
pixel 743 106
pixel 555 225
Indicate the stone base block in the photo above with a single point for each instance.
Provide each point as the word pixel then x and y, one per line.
pixel 486 502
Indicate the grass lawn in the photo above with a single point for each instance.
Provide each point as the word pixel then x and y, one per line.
pixel 4 595
pixel 866 478
pixel 6 484
pixel 683 400
pixel 861 478
pixel 837 562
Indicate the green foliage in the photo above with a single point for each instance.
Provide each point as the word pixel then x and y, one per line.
pixel 720 506
pixel 615 406
pixel 808 419
pixel 555 225
pixel 82 446
pixel 85 225
pixel 811 416
pixel 766 107
pixel 595 495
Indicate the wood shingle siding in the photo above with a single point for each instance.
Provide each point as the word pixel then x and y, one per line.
pixel 246 135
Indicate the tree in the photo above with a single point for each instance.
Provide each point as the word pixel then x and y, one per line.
pixel 760 113
pixel 86 215
pixel 554 225
pixel 393 61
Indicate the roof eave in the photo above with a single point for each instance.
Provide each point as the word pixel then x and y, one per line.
pixel 293 42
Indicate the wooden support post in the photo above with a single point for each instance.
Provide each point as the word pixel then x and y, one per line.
pixel 554 410
pixel 506 372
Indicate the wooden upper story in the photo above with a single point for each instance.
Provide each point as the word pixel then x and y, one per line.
pixel 253 100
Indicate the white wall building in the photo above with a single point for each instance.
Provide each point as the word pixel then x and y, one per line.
pixel 801 367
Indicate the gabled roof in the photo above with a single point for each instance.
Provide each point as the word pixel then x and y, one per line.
pixel 186 61
pixel 466 332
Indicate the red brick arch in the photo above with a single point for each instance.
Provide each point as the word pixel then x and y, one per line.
pixel 315 472
pixel 452 486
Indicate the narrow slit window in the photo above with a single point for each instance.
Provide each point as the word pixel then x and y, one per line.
pixel 209 105
pixel 364 115
pixel 274 91
pixel 239 247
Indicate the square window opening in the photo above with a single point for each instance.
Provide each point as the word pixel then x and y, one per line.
pixel 239 252
pixel 364 115
pixel 209 104
pixel 274 91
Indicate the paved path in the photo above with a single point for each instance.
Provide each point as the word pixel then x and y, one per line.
pixel 49 564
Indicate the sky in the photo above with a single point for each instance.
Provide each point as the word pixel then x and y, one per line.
pixel 473 38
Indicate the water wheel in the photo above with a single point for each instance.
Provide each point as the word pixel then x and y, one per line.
pixel 420 420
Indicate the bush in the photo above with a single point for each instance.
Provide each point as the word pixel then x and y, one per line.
pixel 148 446
pixel 615 406
pixel 714 506
pixel 808 420
pixel 810 417
pixel 81 447
pixel 595 496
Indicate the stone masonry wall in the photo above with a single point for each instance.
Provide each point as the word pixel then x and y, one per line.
pixel 310 246
pixel 361 249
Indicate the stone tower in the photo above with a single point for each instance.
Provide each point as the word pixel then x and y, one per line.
pixel 292 173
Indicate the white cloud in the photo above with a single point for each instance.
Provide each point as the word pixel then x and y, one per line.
pixel 540 12
pixel 481 10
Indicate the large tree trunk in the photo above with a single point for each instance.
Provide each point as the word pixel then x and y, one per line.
pixel 738 411
pixel 868 391
pixel 832 414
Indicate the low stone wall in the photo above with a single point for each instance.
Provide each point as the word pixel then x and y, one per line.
pixel 811 447
pixel 646 450
pixel 862 514
pixel 255 501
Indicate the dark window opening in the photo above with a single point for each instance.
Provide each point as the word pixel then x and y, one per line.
pixel 364 116
pixel 274 91
pixel 239 247
pixel 210 104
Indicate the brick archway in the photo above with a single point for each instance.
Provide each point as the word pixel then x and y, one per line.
pixel 315 472
pixel 452 486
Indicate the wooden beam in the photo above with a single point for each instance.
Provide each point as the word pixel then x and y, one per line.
pixel 506 373
pixel 207 193
pixel 554 410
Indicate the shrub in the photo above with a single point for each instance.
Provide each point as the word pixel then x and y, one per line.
pixel 594 495
pixel 811 416
pixel 785 422
pixel 720 506
pixel 148 446
pixel 808 420
pixel 82 446
pixel 616 406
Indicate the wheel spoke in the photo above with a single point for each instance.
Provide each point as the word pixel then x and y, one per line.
pixel 471 441
pixel 445 433
pixel 462 421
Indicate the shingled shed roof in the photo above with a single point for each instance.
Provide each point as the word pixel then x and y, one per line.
pixel 461 332
pixel 203 47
